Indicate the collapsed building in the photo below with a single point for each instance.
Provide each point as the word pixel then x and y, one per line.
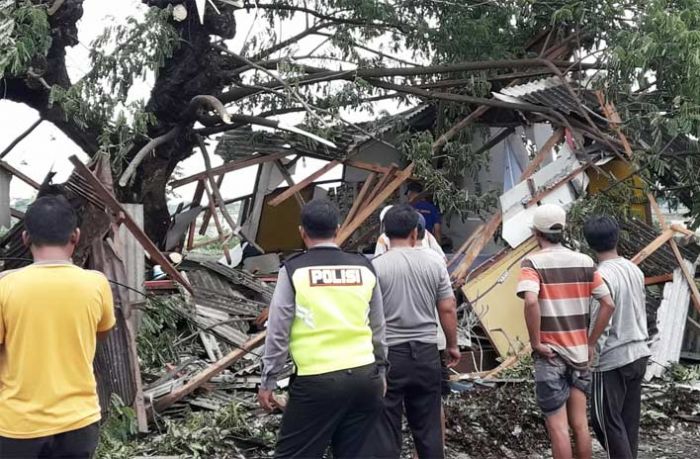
pixel 571 146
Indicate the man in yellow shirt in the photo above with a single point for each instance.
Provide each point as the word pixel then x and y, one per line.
pixel 51 315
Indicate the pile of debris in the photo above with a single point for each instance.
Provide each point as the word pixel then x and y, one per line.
pixel 499 417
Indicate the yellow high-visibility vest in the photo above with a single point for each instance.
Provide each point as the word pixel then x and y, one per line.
pixel 331 330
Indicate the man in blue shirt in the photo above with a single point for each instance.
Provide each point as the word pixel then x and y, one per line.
pixel 433 218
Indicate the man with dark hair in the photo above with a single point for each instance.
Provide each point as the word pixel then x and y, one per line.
pixel 433 218
pixel 413 283
pixel 622 351
pixel 327 313
pixel 51 315
pixel 557 285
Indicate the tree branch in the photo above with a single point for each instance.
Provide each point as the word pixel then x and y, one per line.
pixel 283 44
pixel 471 100
pixel 21 137
pixel 317 75
pixel 373 51
pixel 327 17
pixel 145 150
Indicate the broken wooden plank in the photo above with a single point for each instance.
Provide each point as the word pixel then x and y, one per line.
pixel 206 218
pixel 360 199
pixel 228 167
pixel 119 212
pixel 655 280
pixel 690 278
pixel 366 166
pixel 196 200
pixel 290 182
pixel 485 235
pixel 615 121
pixel 541 155
pixel 19 174
pixel 683 230
pixel 694 293
pixel 288 193
pixel 388 176
pixel 217 223
pixel 20 137
pixel 567 179
pixel 237 230
pixel 211 371
pixel 653 246
pixel 372 206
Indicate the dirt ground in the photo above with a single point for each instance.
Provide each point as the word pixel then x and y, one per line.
pixel 679 442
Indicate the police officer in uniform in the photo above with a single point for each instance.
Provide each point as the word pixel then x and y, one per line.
pixel 327 313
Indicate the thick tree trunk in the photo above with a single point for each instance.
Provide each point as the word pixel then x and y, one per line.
pixel 194 69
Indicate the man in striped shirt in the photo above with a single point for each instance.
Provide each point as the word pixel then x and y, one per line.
pixel 557 285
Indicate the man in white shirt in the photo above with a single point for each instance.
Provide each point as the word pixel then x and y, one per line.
pixel 428 242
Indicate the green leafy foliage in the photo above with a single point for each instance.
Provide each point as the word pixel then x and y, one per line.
pixel 24 36
pixel 232 431
pixel 614 203
pixel 445 182
pixel 121 56
pixel 162 332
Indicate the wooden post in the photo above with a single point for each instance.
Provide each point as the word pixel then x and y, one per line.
pixel 653 246
pixel 290 181
pixel 388 175
pixel 196 200
pixel 206 218
pixel 217 223
pixel 373 205
pixel 217 194
pixel 694 293
pixel 227 167
pixel 360 198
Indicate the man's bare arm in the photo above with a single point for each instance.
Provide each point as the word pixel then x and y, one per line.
pixel 607 307
pixel 447 310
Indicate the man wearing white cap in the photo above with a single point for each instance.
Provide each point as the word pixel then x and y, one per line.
pixel 557 285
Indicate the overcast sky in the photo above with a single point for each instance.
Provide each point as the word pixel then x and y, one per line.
pixel 48 148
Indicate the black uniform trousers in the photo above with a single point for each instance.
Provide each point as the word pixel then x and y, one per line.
pixel 615 408
pixel 75 444
pixel 414 384
pixel 337 409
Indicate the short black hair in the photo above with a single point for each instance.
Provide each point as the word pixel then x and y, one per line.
pixel 415 187
pixel 50 221
pixel 319 218
pixel 602 233
pixel 400 221
pixel 553 238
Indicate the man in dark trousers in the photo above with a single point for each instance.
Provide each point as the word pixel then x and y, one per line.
pixel 327 313
pixel 51 315
pixel 622 351
pixel 414 283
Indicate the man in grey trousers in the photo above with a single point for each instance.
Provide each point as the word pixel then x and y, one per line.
pixel 622 351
